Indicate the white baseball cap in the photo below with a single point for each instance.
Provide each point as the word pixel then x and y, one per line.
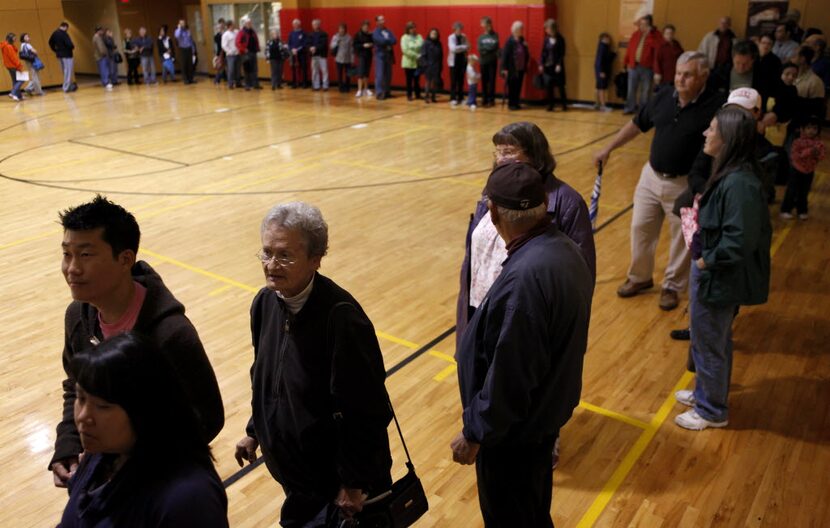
pixel 748 98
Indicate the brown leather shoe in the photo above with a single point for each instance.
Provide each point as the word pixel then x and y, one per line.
pixel 630 289
pixel 668 299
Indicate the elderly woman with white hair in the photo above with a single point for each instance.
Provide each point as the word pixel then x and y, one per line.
pixel 320 407
pixel 514 64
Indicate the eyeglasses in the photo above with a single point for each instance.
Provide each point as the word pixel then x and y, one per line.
pixel 506 152
pixel 265 258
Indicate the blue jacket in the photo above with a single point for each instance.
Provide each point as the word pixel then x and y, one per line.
pixel 520 360
pixel 298 40
pixel 384 39
pixel 570 214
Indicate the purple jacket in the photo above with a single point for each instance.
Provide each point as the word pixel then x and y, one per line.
pixel 569 212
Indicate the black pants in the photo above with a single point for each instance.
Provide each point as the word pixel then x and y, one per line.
pixel 132 71
pixel 251 70
pixel 798 187
pixel 299 70
pixel 413 83
pixel 457 80
pixel 186 55
pixel 488 83
pixel 515 485
pixel 299 509
pixel 343 80
pixel 276 73
pixel 556 82
pixel 514 88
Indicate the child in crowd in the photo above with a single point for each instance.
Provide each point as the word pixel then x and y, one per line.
pixel 807 150
pixel 473 77
pixel 602 70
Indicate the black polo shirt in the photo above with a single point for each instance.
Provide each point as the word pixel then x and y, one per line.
pixel 678 135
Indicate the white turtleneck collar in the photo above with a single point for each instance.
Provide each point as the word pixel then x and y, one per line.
pixel 296 303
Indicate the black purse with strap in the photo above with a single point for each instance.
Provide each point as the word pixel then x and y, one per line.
pixel 402 504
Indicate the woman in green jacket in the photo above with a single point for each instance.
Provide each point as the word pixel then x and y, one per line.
pixel 730 262
pixel 411 44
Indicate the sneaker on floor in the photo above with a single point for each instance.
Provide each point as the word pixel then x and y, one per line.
pixel 694 422
pixel 453 103
pixel 473 107
pixel 14 97
pixel 359 93
pixel 786 216
pixel 606 109
pixel 367 93
pixel 109 87
pixel 686 397
pixel 803 216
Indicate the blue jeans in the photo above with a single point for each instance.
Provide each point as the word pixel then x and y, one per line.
pixel 168 70
pixel 471 99
pixel 148 69
pixel 639 87
pixel 15 83
pixel 711 332
pixel 104 70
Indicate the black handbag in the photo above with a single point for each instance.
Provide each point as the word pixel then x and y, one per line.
pixel 118 58
pixel 400 506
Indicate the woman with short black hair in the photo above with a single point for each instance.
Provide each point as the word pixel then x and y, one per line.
pixel 146 462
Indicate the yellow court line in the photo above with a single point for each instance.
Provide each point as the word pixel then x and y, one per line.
pixel 20 241
pixel 441 355
pixel 219 290
pixel 613 414
pixel 200 271
pixel 397 340
pixel 445 373
pixel 636 451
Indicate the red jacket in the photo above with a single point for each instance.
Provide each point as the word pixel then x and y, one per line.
pixel 665 60
pixel 653 41
pixel 11 59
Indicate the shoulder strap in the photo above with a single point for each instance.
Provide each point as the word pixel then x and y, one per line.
pixel 338 415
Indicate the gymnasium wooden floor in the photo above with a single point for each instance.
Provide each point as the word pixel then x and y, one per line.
pixel 396 182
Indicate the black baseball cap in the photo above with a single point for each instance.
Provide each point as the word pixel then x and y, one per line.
pixel 515 185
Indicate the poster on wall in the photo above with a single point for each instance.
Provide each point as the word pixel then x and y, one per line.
pixel 630 12
pixel 762 16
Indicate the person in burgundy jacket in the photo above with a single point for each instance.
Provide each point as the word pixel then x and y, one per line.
pixel 639 62
pixel 665 61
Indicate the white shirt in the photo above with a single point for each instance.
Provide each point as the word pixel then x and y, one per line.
pixel 229 42
pixel 455 48
pixel 296 303
pixel 487 253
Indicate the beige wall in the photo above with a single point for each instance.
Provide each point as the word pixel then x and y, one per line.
pixel 581 21
pixel 38 18
pixel 83 16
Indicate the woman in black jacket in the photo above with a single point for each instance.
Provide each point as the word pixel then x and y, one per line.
pixel 431 63
pixel 552 64
pixel 146 460
pixel 363 46
pixel 514 64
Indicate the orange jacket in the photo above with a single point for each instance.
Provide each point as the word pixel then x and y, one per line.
pixel 10 56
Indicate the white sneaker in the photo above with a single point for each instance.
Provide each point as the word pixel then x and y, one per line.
pixel 359 93
pixel 606 109
pixel 803 216
pixel 368 93
pixel 473 107
pixel 109 87
pixel 686 397
pixel 786 216
pixel 453 103
pixel 14 97
pixel 693 421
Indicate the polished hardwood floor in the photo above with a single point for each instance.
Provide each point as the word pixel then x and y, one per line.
pixel 396 181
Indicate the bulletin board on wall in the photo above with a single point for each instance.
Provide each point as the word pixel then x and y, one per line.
pixel 762 16
pixel 630 12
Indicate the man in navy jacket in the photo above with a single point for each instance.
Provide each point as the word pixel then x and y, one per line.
pixel 520 361
pixel 384 41
pixel 298 44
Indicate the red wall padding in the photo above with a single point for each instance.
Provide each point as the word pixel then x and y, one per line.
pixel 427 17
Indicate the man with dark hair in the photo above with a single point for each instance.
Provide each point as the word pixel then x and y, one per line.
pixel 62 45
pixel 744 72
pixel 520 360
pixel 384 39
pixel 488 53
pixel 717 45
pixel 808 84
pixel 184 39
pixel 247 42
pixel 113 293
pixel 784 46
pixel 821 62
pixel 768 69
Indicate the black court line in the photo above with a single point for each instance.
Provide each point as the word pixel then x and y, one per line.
pixel 395 368
pixel 613 218
pixel 120 151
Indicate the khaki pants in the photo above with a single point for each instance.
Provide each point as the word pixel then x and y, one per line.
pixel 653 200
